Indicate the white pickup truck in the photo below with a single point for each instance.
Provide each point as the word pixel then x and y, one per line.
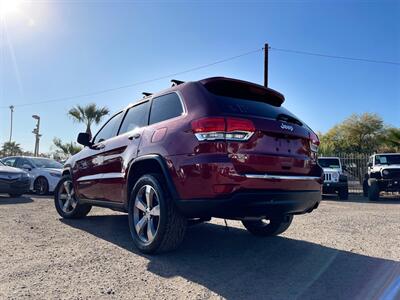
pixel 335 182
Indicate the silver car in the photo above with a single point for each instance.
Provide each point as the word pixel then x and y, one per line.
pixel 44 172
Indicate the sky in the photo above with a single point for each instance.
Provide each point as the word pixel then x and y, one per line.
pixel 57 49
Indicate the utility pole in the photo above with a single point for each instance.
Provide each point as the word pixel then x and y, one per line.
pixel 266 47
pixel 11 126
pixel 37 135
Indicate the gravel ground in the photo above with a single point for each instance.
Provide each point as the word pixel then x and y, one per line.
pixel 343 250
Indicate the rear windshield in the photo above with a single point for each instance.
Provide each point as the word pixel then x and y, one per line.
pixel 255 108
pixel 332 163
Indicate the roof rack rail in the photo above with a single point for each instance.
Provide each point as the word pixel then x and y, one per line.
pixel 146 94
pixel 176 82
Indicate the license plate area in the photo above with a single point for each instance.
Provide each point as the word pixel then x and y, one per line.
pixel 287 146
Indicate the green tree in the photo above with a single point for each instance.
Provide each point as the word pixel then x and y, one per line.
pixel 66 149
pixel 89 115
pixel 11 148
pixel 391 140
pixel 357 134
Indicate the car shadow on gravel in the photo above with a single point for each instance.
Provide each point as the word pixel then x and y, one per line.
pixel 386 199
pixel 19 200
pixel 236 265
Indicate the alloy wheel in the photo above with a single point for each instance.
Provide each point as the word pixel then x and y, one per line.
pixel 66 197
pixel 146 214
pixel 40 186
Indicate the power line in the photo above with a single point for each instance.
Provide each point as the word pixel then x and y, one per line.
pixel 137 83
pixel 94 93
pixel 337 56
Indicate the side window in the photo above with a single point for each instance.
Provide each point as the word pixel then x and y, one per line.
pixel 109 130
pixel 165 107
pixel 10 161
pixel 23 161
pixel 135 117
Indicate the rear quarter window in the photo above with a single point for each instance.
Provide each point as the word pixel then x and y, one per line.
pixel 165 107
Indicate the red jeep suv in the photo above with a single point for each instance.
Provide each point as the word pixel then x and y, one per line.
pixel 217 147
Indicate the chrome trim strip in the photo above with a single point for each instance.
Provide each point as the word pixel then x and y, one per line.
pixel 200 136
pixel 101 176
pixel 280 177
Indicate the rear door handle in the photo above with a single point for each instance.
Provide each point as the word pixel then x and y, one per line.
pixel 134 136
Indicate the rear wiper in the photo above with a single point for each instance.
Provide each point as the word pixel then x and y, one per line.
pixel 289 119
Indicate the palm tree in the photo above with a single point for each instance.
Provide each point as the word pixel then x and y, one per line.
pixel 11 148
pixel 88 115
pixel 392 138
pixel 66 149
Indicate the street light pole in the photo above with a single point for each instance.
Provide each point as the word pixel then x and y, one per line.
pixel 11 126
pixel 37 135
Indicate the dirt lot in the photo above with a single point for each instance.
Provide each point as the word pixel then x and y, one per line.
pixel 344 250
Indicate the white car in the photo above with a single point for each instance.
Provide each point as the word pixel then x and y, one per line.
pixel 44 172
pixel 334 179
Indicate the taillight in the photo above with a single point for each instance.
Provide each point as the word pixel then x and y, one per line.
pixel 218 128
pixel 314 142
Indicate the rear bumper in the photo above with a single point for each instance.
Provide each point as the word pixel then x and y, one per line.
pixel 214 176
pixel 252 204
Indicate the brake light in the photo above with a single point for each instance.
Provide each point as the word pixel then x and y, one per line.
pixel 218 128
pixel 208 125
pixel 233 124
pixel 314 142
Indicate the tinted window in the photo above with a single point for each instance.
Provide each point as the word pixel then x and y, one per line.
pixel 255 108
pixel 23 161
pixel 135 117
pixel 109 130
pixel 165 107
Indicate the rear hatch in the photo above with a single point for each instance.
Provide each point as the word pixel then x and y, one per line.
pixel 280 144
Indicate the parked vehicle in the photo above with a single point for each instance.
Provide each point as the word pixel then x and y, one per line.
pixel 45 172
pixel 335 181
pixel 217 147
pixel 383 175
pixel 13 181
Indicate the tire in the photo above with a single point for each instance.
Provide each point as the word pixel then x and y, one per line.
pixel 373 190
pixel 41 186
pixel 15 195
pixel 74 210
pixel 365 188
pixel 274 227
pixel 160 231
pixel 344 193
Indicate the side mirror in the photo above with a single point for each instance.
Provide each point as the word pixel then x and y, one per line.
pixel 344 168
pixel 26 167
pixel 370 164
pixel 84 139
